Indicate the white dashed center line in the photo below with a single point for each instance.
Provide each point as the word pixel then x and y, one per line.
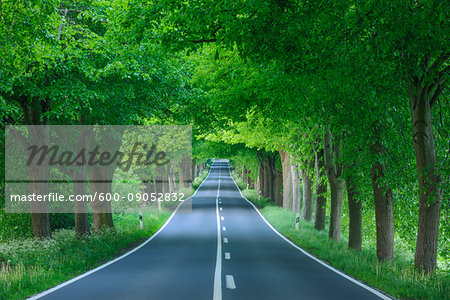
pixel 229 279
pixel 217 294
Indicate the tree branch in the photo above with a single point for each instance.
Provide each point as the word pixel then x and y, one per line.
pixel 204 41
pixel 436 95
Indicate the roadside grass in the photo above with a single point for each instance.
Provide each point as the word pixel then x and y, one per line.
pixel 29 266
pixel 258 200
pixel 199 179
pixel 251 194
pixel 240 183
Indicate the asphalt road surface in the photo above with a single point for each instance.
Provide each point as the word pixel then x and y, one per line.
pixel 220 249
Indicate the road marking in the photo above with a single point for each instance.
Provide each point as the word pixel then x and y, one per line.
pixel 379 294
pixel 49 291
pixel 221 218
pixel 227 255
pixel 224 228
pixel 217 295
pixel 229 279
pixel 225 240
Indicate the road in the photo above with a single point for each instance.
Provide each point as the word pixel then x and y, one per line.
pixel 221 249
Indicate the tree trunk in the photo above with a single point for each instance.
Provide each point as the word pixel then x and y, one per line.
pixel 307 184
pixel 279 188
pixel 32 112
pixel 384 205
pixel 80 186
pixel 337 190
pixel 165 184
pixel 334 172
pixel 40 220
pixel 271 177
pixel 159 179
pixel 39 217
pixel 430 191
pixel 100 182
pixel 267 175
pixel 41 225
pixel 287 179
pixel 82 227
pixel 39 210
pixel 260 179
pixel 249 178
pixel 321 191
pixel 172 187
pixel 267 186
pixel 295 188
pixel 355 214
pixel 184 172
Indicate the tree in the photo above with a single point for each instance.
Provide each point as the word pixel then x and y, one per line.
pixel 332 150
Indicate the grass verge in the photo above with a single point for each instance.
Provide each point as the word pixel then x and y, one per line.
pixel 200 178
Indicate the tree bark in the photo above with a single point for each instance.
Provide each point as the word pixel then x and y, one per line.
pixel 82 226
pixel 321 190
pixel 185 172
pixel 193 170
pixel 287 179
pixel 384 205
pixel 39 210
pixel 100 180
pixel 279 189
pixel 430 191
pixel 355 214
pixel 334 172
pixel 267 175
pixel 268 181
pixel 307 184
pixel 260 180
pixel 249 178
pixel 295 188
pixel 271 177
pixel 33 109
pixel 172 187
pixel 39 217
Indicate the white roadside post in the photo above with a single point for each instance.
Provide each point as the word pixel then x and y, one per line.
pixel 297 221
pixel 141 223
